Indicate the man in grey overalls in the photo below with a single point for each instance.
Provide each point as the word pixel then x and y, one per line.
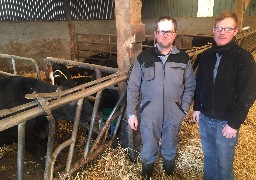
pixel 164 79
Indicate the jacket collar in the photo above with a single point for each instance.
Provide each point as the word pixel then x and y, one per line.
pixel 174 50
pixel 223 49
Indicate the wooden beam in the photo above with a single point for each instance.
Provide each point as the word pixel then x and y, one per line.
pixel 239 9
pixel 71 27
pixel 130 32
pixel 67 9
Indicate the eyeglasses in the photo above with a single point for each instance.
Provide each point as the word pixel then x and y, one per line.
pixel 226 29
pixel 161 33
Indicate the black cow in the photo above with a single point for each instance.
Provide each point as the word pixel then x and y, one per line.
pixel 199 41
pixel 12 93
pixel 109 97
pixel 62 73
pixel 102 59
pixel 147 44
pixel 78 75
pixel 59 73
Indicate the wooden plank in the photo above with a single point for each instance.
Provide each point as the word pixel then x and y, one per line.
pixel 95 38
pixel 96 47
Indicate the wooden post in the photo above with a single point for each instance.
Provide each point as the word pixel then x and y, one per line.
pixel 129 30
pixel 130 34
pixel 71 28
pixel 239 9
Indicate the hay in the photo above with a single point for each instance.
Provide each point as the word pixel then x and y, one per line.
pixel 114 164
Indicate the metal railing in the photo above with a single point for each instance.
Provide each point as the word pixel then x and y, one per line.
pixel 46 102
pixel 14 59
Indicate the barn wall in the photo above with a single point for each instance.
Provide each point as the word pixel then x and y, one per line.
pixel 95 27
pixel 196 25
pixel 185 8
pixel 39 40
pixel 36 40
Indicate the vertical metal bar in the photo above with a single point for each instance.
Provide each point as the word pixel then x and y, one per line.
pixel 51 120
pixel 111 119
pixel 104 129
pixel 21 147
pixel 100 123
pixel 122 98
pixel 95 110
pixel 14 66
pixel 47 174
pixel 74 133
pixel 37 70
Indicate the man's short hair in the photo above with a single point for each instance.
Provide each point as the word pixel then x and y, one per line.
pixel 227 14
pixel 166 18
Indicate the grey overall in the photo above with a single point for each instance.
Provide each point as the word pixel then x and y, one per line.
pixel 166 94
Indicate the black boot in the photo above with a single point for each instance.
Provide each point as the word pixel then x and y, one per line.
pixel 147 170
pixel 168 167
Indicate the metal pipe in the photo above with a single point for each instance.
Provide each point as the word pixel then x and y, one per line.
pixel 74 133
pixel 21 147
pixel 95 109
pixel 82 65
pixel 50 137
pixel 119 120
pixel 36 111
pixel 77 88
pixel 104 129
pixel 14 66
pixel 7 74
pixel 6 112
pixel 56 153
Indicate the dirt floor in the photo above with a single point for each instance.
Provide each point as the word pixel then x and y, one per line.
pixel 34 170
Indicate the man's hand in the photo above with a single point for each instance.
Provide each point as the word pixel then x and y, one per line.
pixel 196 116
pixel 133 122
pixel 229 132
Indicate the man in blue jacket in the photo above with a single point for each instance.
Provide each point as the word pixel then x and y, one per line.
pixel 164 79
pixel 225 91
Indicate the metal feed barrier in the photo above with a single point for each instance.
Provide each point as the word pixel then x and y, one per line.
pixel 46 102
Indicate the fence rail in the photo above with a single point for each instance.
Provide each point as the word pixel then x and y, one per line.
pixel 14 59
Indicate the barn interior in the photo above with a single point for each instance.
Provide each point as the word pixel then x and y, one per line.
pixel 35 35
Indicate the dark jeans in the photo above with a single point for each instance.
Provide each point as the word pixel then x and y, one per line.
pixel 218 150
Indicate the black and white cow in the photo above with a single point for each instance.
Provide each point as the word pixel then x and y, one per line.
pixel 12 93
